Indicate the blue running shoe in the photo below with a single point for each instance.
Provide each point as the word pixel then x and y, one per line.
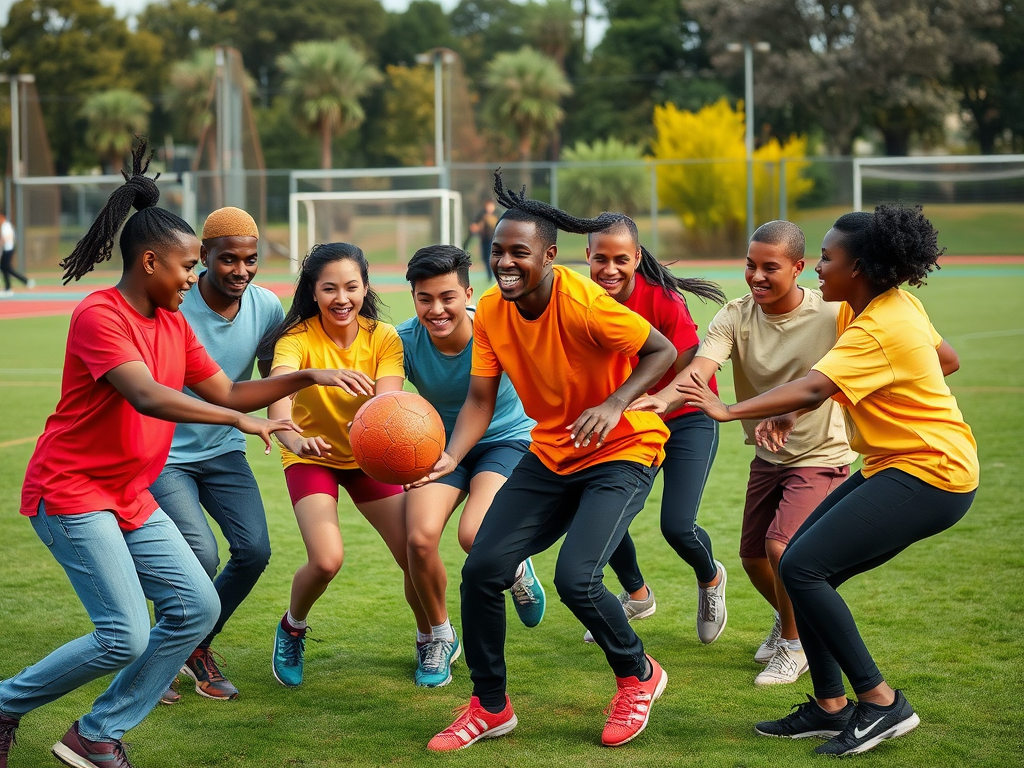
pixel 528 596
pixel 436 659
pixel 289 651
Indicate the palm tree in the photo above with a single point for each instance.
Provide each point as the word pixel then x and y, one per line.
pixel 526 87
pixel 325 81
pixel 114 118
pixel 603 176
pixel 190 92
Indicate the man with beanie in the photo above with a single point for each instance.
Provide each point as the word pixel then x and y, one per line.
pixel 207 467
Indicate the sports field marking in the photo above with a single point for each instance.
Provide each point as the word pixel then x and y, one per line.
pixel 19 441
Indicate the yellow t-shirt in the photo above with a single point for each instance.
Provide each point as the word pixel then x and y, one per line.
pixel 900 412
pixel 768 351
pixel 569 359
pixel 327 411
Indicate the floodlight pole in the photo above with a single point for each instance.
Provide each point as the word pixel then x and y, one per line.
pixel 748 103
pixel 17 170
pixel 440 57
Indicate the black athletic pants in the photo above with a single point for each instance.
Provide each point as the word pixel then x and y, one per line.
pixel 862 524
pixel 7 268
pixel 535 507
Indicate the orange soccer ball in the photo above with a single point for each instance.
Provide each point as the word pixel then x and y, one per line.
pixel 397 437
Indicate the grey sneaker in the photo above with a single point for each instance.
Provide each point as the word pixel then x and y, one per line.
pixel 634 609
pixel 711 613
pixel 767 650
pixel 785 666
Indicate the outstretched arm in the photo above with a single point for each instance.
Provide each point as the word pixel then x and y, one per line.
pixel 668 399
pixel 801 395
pixel 252 395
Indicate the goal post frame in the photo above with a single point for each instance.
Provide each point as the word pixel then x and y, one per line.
pixel 450 218
pixel 861 162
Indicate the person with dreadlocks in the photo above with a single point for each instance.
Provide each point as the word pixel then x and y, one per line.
pixel 207 467
pixel 773 335
pixel 565 345
pixel 637 280
pixel 335 319
pixel 887 370
pixel 86 491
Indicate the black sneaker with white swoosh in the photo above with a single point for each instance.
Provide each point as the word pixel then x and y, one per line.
pixel 870 725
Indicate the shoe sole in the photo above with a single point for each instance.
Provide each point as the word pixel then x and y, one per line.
pixel 901 728
pixel 659 689
pixel 806 735
pixel 186 671
pixel 458 652
pixel 64 753
pixel 491 733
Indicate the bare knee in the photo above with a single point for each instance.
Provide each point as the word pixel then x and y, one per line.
pixel 422 546
pixel 466 540
pixel 325 567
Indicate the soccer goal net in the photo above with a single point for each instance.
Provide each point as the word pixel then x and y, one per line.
pixel 388 225
pixel 982 194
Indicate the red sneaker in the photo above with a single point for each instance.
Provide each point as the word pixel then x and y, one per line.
pixel 631 706
pixel 472 724
pixel 78 752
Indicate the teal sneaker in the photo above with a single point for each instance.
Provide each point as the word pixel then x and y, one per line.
pixel 528 596
pixel 289 651
pixel 435 662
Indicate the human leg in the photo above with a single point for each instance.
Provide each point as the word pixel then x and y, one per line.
pixel 427 510
pixel 317 516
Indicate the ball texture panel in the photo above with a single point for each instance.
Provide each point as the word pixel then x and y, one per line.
pixel 397 437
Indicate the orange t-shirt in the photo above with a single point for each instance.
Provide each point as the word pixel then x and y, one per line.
pixel 569 359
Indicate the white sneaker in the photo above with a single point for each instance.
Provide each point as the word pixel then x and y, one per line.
pixel 785 666
pixel 634 609
pixel 6 294
pixel 711 613
pixel 767 650
pixel 30 284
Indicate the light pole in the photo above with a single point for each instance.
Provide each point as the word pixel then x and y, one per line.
pixel 15 207
pixel 440 57
pixel 748 49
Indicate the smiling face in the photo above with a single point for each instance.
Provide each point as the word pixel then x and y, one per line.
pixel 339 293
pixel 441 303
pixel 520 261
pixel 838 272
pixel 771 275
pixel 613 258
pixel 231 264
pixel 171 272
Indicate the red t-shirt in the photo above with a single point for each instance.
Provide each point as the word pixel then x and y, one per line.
pixel 668 313
pixel 96 451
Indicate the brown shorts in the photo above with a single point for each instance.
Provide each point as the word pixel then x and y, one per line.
pixel 779 499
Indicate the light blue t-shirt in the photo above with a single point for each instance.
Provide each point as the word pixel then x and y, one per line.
pixel 232 344
pixel 444 381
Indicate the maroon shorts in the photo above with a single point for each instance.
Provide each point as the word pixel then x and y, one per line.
pixel 779 499
pixel 306 479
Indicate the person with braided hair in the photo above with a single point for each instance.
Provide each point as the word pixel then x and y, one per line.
pixel 86 491
pixel 637 280
pixel 565 345
pixel 920 472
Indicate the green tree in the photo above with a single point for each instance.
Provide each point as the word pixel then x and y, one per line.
pixel 603 182
pixel 186 26
pixel 114 118
pixel 75 48
pixel 420 27
pixel 407 133
pixel 485 28
pixel 525 90
pixel 325 80
pixel 190 91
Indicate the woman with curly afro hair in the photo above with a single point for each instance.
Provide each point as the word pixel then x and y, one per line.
pixel 920 472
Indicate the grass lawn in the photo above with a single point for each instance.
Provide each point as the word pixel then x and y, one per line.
pixel 944 619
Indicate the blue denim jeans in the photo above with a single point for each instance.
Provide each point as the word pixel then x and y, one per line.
pixel 114 572
pixel 226 488
pixel 689 452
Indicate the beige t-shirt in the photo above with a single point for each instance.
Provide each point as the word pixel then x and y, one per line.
pixel 770 350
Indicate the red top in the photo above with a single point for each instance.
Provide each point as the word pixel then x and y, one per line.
pixel 96 451
pixel 668 313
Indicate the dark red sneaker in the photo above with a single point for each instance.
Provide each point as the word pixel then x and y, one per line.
pixel 202 667
pixel 8 725
pixel 79 752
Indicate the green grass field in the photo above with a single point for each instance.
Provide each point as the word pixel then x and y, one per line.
pixel 945 620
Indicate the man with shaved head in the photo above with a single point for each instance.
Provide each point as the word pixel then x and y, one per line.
pixel 774 335
pixel 207 467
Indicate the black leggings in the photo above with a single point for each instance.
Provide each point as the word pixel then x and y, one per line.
pixel 863 523
pixel 7 267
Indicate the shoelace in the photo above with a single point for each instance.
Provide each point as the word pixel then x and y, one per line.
pixel 121 753
pixel 434 655
pixel 781 662
pixel 622 708
pixel 292 647
pixel 522 593
pixel 708 605
pixel 209 662
pixel 800 708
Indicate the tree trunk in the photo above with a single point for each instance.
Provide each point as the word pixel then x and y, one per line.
pixel 897 141
pixel 326 160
